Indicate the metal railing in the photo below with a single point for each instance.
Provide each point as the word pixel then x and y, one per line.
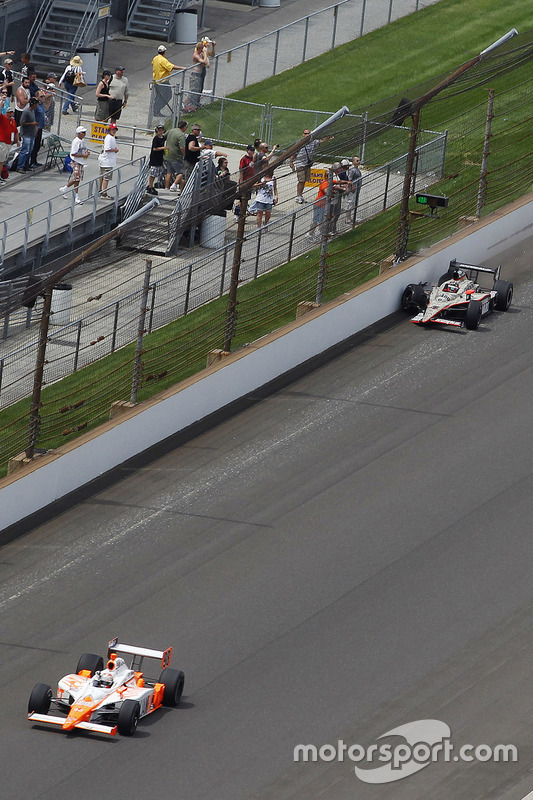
pixel 270 54
pixel 87 24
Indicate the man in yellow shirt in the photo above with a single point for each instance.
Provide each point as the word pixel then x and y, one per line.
pixel 161 68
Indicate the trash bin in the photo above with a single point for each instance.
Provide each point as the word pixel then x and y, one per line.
pixel 186 26
pixel 89 56
pixel 61 304
pixel 213 231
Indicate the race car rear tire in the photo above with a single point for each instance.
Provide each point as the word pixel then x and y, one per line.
pixel 504 296
pixel 473 315
pixel 40 699
pixel 128 717
pixel 173 681
pixel 91 662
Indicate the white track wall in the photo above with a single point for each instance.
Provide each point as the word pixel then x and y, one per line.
pixel 73 466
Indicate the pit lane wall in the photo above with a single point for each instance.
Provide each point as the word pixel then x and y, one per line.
pixel 55 475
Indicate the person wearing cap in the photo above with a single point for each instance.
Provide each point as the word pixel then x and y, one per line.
pixel 71 76
pixel 118 93
pixel 352 198
pixel 28 131
pixel 156 158
pixel 108 160
pixel 8 135
pixel 319 210
pixel 101 112
pixel 49 104
pixel 175 152
pixel 161 69
pixel 79 153
pixel 7 78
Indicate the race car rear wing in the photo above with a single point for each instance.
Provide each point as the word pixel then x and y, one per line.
pixel 139 653
pixel 473 270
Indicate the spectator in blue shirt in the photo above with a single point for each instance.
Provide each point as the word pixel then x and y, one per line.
pixel 40 116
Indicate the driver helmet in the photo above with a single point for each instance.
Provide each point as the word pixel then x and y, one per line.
pixel 458 274
pixel 452 287
pixel 103 678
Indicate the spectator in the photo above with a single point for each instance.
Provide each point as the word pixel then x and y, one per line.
pixel 52 78
pixel 33 84
pixel 161 69
pixel 222 170
pixel 267 197
pixel 79 153
pixel 8 136
pixel 7 78
pixel 262 157
pixel 40 118
pixel 319 209
pixel 302 162
pixel 193 149
pixel 5 104
pixel 210 153
pixel 22 96
pixel 156 158
pixel 28 130
pixel 176 138
pixel 108 160
pixel 200 60
pixel 246 164
pixel 352 198
pixel 102 97
pixel 27 67
pixel 72 74
pixel 49 106
pixel 118 94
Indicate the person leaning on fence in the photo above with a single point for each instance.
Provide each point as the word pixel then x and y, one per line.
pixel 301 163
pixel 101 112
pixel 193 149
pixel 79 153
pixel 161 69
pixel 267 197
pixel 246 164
pixel 157 153
pixel 71 79
pixel 200 60
pixel 176 138
pixel 319 208
pixel 118 93
pixel 107 160
pixel 352 198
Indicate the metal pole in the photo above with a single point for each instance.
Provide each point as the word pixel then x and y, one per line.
pixel 362 18
pixel 322 269
pixel 335 13
pixel 35 417
pixel 231 312
pixel 482 190
pixel 104 44
pixel 403 223
pixel 137 365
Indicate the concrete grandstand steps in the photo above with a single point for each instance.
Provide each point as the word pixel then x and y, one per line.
pixel 52 47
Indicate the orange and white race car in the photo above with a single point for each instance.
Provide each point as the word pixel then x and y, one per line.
pixel 111 699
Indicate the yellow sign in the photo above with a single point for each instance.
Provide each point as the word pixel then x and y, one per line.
pixel 98 131
pixel 318 174
pixel 104 11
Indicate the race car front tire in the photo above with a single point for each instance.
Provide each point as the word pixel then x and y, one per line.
pixel 473 315
pixel 504 294
pixel 414 298
pixel 173 680
pixel 128 717
pixel 40 699
pixel 90 662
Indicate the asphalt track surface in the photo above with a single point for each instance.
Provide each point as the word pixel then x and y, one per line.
pixel 347 555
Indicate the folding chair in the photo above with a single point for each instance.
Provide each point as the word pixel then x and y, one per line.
pixel 56 154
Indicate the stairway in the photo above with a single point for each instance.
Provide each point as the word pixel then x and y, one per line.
pixel 151 235
pixel 59 30
pixel 154 19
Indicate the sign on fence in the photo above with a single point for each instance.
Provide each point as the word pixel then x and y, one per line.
pixel 98 131
pixel 318 174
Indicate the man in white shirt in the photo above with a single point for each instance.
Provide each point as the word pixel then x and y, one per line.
pixel 108 160
pixel 79 152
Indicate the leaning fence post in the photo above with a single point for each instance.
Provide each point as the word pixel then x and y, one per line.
pixel 137 365
pixel 231 311
pixel 482 189
pixel 35 417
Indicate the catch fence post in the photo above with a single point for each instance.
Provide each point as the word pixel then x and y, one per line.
pixel 137 364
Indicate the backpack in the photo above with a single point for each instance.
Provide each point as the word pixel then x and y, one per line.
pixel 69 77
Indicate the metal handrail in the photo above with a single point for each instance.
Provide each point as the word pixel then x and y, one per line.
pixel 42 13
pixel 90 16
pixel 135 196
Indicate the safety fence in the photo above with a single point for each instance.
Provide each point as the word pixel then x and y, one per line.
pixel 279 50
pixel 265 298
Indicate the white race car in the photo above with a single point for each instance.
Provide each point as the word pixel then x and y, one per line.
pixel 457 300
pixel 109 700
